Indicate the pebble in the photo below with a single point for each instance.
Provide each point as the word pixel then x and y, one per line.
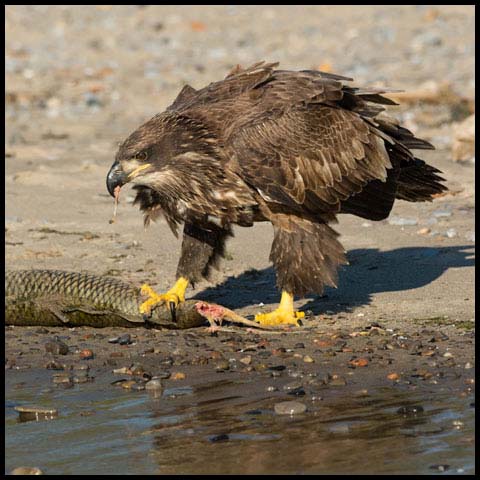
pixel 138 386
pixel 439 468
pixel 28 413
pixel 179 375
pixel 161 375
pixel 128 384
pixel 54 366
pixel 122 340
pixel 246 360
pixel 423 231
pixel 57 347
pixel 289 408
pixel 451 233
pixel 86 354
pixel 26 471
pixel 121 371
pixel 308 359
pixel 442 213
pixel 277 368
pixel 468 365
pixel 81 378
pixel 223 437
pixel 359 362
pixel 63 380
pixel 154 384
pixel 410 410
pixel 402 221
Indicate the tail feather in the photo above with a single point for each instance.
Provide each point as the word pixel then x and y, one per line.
pixel 418 181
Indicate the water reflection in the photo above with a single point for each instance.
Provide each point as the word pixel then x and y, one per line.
pixel 230 427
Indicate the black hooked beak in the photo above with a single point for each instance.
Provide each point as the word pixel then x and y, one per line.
pixel 116 178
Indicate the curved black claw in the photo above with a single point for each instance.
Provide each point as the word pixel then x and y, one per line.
pixel 173 311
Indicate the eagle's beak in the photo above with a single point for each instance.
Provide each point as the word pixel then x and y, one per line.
pixel 116 178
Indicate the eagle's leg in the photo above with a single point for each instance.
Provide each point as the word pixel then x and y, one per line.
pixel 202 246
pixel 306 256
pixel 284 314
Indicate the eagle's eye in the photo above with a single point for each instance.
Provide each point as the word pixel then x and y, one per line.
pixel 140 156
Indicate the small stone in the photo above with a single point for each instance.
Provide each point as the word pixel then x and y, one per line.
pixel 128 384
pixel 86 354
pixel 122 340
pixel 439 468
pixel 121 371
pixel 451 233
pixel 162 375
pixel 448 354
pixel 393 376
pixel 81 379
pixel 138 386
pixel 359 362
pixel 308 359
pixel 468 365
pixel 178 376
pixel 277 368
pixel 137 369
pixel 28 413
pixel 154 384
pixel 442 213
pixel 26 471
pixel 402 221
pixel 272 388
pixel 223 437
pixel 246 360
pixel 63 379
pixel 410 410
pixel 57 347
pixel 361 393
pixel 54 366
pixel 423 231
pixel 289 408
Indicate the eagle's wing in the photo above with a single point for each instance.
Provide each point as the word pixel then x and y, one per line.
pixel 310 157
pixel 235 84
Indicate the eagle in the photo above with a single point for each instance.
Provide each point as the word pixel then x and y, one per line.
pixel 294 148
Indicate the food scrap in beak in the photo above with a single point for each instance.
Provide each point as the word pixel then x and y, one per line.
pixel 116 196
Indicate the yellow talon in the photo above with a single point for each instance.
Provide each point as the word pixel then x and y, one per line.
pixel 284 314
pixel 175 295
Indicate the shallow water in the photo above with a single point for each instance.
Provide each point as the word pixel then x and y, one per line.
pixel 229 426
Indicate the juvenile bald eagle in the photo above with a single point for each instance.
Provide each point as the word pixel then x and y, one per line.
pixel 292 148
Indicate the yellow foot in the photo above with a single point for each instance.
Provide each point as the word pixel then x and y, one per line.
pixel 284 314
pixel 279 317
pixel 171 298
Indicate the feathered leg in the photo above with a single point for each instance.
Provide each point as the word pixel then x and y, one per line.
pixel 203 246
pixel 306 256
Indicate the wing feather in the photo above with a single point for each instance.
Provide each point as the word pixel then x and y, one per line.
pixel 316 156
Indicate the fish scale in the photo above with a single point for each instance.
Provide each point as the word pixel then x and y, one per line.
pixel 33 296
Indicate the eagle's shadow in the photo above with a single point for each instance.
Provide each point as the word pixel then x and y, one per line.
pixel 370 271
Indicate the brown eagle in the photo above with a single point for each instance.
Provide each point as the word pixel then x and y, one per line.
pixel 294 148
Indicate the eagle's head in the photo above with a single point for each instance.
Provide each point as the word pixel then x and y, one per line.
pixel 139 156
pixel 168 160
